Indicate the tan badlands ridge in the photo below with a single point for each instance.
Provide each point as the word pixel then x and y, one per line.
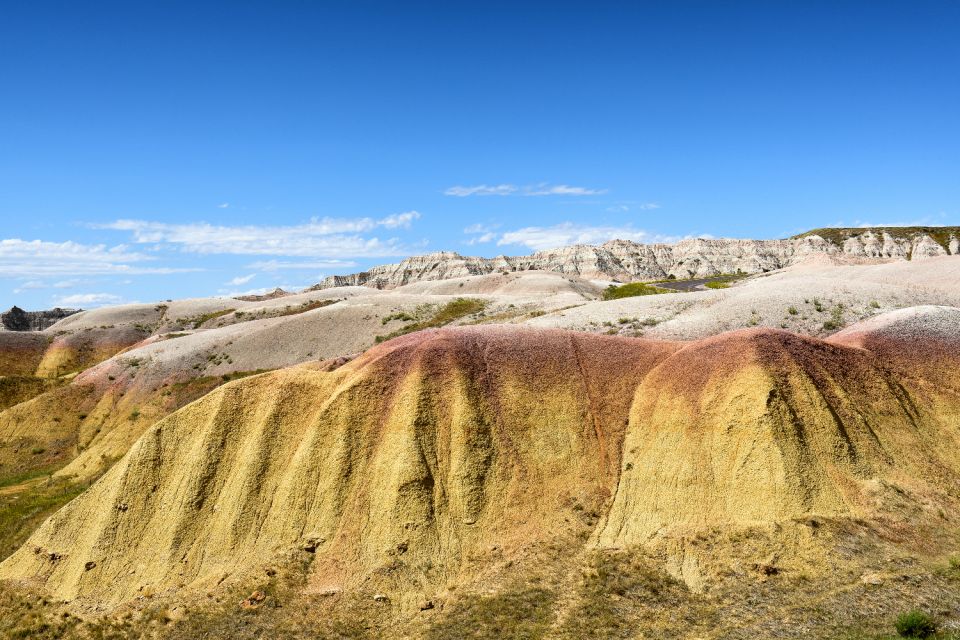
pixel 625 261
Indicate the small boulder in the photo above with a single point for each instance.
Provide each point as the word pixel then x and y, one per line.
pixel 254 600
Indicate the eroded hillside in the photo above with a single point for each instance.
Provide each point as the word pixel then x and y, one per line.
pixel 412 487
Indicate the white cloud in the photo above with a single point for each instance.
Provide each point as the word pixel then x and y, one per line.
pixel 567 233
pixel 242 279
pixel 40 258
pixel 490 236
pixel 225 205
pixel 277 265
pixel 481 190
pixel 87 300
pixel 542 189
pixel 484 233
pixel 399 220
pixel 331 237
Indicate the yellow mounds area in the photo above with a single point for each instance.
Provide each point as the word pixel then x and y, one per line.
pixel 402 465
pixel 75 352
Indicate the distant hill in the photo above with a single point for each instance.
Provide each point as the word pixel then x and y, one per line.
pixel 16 319
pixel 625 261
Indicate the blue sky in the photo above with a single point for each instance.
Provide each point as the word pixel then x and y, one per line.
pixel 153 150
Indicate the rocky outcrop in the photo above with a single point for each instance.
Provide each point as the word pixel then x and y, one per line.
pixel 19 320
pixel 695 257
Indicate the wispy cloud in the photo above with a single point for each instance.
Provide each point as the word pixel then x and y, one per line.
pixel 224 205
pixel 328 237
pixel 567 233
pixel 560 190
pixel 541 189
pixel 40 258
pixel 399 220
pixel 87 300
pixel 242 279
pixel 623 207
pixel 278 265
pixel 481 190
pixel 32 285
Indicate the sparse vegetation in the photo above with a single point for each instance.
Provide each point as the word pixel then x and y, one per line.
pixel 450 312
pixel 632 289
pixel 792 310
pixel 836 319
pixel 524 613
pixel 199 320
pixel 21 512
pixel 614 585
pixel 310 305
pixel 400 315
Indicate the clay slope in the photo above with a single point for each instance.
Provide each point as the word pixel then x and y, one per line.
pixel 403 464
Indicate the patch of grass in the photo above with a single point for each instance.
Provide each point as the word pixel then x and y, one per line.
pixel 310 305
pixel 792 310
pixel 818 305
pixel 717 284
pixel 23 511
pixel 525 613
pixel 402 315
pixel 632 289
pixel 446 314
pixel 874 304
pixel 198 321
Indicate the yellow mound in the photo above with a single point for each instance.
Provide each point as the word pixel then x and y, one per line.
pixel 407 463
pixel 432 446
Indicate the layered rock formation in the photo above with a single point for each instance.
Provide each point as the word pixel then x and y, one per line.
pixel 624 260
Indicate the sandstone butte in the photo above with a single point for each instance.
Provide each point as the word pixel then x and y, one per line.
pixel 432 448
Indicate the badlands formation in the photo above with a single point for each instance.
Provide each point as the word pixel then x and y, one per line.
pixel 461 448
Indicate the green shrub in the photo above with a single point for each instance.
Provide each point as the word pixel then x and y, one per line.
pixel 630 290
pixel 817 304
pixel 915 624
pixel 792 310
pixel 874 304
